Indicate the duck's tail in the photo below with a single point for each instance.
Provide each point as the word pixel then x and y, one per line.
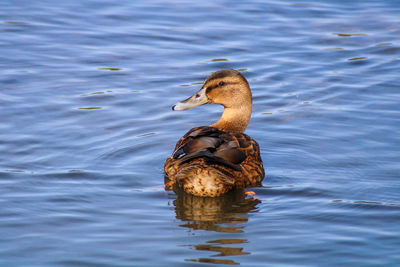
pixel 206 182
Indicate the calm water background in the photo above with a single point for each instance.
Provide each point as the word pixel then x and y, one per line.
pixel 86 90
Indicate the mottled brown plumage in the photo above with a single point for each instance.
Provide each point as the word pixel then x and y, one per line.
pixel 212 160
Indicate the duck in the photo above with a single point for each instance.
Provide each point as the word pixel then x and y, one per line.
pixel 209 161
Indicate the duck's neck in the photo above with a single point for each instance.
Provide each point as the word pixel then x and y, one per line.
pixel 234 119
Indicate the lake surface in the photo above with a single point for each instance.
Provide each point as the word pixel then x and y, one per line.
pixel 86 90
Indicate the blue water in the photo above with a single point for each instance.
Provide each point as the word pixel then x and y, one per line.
pixel 86 90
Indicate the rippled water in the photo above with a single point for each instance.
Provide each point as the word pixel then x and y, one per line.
pixel 86 90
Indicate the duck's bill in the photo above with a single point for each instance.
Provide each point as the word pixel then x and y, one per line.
pixel 195 100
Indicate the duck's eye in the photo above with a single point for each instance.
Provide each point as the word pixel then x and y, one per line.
pixel 197 95
pixel 221 83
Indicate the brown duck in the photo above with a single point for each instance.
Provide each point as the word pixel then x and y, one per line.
pixel 212 160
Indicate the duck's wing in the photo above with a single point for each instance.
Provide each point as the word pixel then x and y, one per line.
pixel 213 145
pixel 252 165
pixel 248 146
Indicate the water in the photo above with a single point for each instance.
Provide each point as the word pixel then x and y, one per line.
pixel 86 90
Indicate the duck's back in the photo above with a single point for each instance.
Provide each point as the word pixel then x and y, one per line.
pixel 209 162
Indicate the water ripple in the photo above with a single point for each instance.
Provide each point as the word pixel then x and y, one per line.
pixel 86 124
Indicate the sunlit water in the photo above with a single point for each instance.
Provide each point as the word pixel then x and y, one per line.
pixel 86 90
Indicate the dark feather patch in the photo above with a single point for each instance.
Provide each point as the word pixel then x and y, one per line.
pixel 215 145
pixel 233 155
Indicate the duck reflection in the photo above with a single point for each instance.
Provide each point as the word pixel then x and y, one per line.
pixel 224 214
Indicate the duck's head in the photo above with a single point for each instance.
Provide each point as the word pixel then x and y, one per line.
pixel 226 87
pixel 229 88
